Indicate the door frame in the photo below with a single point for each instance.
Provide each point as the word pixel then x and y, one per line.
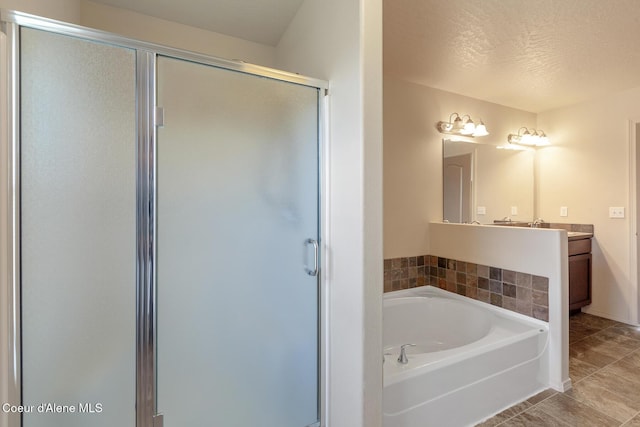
pixel 466 199
pixel 634 218
pixel 146 54
pixel 10 346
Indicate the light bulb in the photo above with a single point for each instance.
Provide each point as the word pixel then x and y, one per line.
pixel 469 127
pixel 481 130
pixel 527 139
pixel 458 124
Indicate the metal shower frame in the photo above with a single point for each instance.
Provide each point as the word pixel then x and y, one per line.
pixel 146 56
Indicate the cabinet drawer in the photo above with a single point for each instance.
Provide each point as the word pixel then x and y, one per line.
pixel 582 246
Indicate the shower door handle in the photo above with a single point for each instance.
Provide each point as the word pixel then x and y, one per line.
pixel 314 271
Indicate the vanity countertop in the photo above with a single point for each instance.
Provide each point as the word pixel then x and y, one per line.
pixel 574 231
pixel 578 235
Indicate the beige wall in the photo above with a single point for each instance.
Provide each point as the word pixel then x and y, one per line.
pixel 413 157
pixel 61 10
pixel 587 170
pixel 146 28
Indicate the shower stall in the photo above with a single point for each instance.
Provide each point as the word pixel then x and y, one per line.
pixel 162 234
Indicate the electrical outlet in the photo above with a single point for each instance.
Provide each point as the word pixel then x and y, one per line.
pixel 482 210
pixel 514 210
pixel 616 212
pixel 564 211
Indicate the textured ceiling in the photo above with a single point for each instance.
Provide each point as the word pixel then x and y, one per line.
pixel 261 21
pixel 533 55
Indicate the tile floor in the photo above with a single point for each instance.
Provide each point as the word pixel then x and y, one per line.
pixel 604 366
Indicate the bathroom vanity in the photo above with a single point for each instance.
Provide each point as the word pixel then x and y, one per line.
pixel 580 259
pixel 579 269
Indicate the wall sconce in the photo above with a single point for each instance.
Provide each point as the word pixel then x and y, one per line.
pixel 463 127
pixel 536 138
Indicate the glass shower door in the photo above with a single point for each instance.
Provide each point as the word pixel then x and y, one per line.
pixel 78 231
pixel 237 231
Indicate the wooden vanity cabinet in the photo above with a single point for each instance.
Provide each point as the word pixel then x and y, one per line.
pixel 579 273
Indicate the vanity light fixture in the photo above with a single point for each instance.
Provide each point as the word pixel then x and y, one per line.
pixel 535 138
pixel 515 147
pixel 462 125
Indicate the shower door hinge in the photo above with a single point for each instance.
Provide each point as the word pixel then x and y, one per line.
pixel 159 117
pixel 158 420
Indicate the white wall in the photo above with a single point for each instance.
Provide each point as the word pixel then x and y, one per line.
pixel 150 29
pixel 413 157
pixel 587 170
pixel 341 41
pixel 542 252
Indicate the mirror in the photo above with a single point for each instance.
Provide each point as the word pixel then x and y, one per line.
pixel 483 182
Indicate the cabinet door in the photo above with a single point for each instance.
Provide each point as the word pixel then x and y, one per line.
pixel 579 281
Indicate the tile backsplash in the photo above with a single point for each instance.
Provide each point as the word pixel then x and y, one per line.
pixel 520 292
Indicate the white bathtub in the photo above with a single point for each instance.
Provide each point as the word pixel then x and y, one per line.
pixel 471 359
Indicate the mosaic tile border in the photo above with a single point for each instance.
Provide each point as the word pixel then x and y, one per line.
pixel 522 293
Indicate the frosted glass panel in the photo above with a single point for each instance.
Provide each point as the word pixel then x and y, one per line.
pixel 78 230
pixel 237 197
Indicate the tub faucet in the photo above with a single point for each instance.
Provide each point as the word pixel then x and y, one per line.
pixel 537 223
pixel 403 354
pixel 384 358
